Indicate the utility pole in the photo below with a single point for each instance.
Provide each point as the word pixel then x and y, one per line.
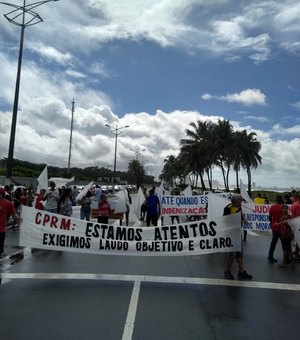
pixel 22 16
pixel 116 131
pixel 71 134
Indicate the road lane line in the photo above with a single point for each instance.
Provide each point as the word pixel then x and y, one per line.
pixel 152 279
pixel 130 319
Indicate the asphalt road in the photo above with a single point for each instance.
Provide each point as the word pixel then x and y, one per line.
pixel 61 295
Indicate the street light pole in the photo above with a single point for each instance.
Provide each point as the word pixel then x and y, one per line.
pixel 137 152
pixel 116 131
pixel 18 17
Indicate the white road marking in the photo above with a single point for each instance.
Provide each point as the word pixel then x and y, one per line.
pixel 130 319
pixel 153 279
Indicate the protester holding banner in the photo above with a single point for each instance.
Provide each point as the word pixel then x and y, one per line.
pixel 104 210
pixel 85 209
pixel 65 203
pixel 258 199
pixel 39 200
pixel 6 209
pixel 233 208
pixel 275 214
pixel 51 197
pixel 286 236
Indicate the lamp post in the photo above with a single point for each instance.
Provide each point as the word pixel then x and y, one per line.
pixel 137 152
pixel 18 17
pixel 116 131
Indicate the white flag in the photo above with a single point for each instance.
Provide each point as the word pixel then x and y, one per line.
pixel 295 225
pixel 121 201
pixel 43 180
pixel 84 191
pixel 60 181
pixel 187 191
pixel 216 205
pixel 244 193
pixel 136 206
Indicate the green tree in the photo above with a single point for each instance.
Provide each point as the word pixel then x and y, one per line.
pixel 136 169
pixel 172 171
pixel 250 153
pixel 224 148
pixel 195 151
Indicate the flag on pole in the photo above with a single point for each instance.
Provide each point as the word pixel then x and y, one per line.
pixel 43 180
pixel 136 206
pixel 84 191
pixel 244 193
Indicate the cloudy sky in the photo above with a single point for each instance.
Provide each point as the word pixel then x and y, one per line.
pixel 157 66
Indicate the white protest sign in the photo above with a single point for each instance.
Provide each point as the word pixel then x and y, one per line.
pixel 183 205
pixel 41 229
pixel 256 216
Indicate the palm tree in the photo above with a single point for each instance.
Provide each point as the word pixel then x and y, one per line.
pixel 250 155
pixel 137 170
pixel 196 150
pixel 224 148
pixel 169 172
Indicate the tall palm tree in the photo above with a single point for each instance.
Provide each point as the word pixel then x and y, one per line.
pixel 250 156
pixel 196 150
pixel 169 172
pixel 224 147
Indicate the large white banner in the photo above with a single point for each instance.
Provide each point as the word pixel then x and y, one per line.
pixel 40 229
pixel 184 205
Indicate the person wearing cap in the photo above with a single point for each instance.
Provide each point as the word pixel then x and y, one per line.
pixel 6 209
pixel 51 197
pixel 233 208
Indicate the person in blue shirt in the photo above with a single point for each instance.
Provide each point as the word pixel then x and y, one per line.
pixel 153 208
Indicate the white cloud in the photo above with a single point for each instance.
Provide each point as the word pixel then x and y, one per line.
pixel 246 97
pixel 49 52
pixel 259 119
pixel 75 74
pixel 46 129
pixel 296 105
pixel 279 130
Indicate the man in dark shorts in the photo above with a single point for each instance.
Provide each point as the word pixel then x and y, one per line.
pixel 233 208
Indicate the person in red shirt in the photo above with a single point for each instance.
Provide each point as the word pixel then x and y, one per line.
pixel 104 210
pixel 295 213
pixel 39 200
pixel 6 209
pixel 275 214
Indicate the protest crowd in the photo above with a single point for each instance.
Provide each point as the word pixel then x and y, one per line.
pixel 154 207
